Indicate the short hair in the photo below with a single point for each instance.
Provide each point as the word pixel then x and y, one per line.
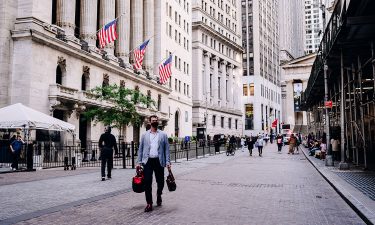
pixel 153 116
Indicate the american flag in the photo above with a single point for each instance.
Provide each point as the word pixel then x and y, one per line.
pixel 107 34
pixel 165 70
pixel 139 54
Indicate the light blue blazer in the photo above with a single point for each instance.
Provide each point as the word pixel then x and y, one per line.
pixel 145 145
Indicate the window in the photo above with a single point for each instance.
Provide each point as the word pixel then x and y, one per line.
pixel 236 124
pixel 222 122
pixel 230 123
pixel 175 84
pixel 252 89
pixel 179 86
pixel 214 120
pixel 186 116
pixel 249 117
pixel 245 90
pixel 159 102
pixel 58 75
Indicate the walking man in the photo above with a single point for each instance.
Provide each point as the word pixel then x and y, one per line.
pixel 153 154
pixel 106 144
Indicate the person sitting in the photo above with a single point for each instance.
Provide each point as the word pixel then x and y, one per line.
pixel 316 147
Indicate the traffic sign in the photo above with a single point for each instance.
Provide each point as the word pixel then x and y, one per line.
pixel 328 104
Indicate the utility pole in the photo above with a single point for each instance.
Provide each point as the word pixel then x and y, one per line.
pixel 329 160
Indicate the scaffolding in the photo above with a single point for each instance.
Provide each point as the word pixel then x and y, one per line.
pixel 347 54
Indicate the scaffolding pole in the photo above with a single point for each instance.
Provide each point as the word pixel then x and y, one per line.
pixel 343 165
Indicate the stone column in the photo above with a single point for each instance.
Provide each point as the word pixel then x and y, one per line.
pixel 136 23
pixel 223 65
pixel 123 28
pixel 88 21
pixel 215 86
pixel 206 76
pixel 148 32
pixel 107 14
pixel 230 87
pixel 65 17
pixel 198 76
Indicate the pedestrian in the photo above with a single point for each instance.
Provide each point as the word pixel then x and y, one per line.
pixel 107 142
pixel 260 144
pixel 16 147
pixel 250 144
pixel 242 144
pixel 279 141
pixel 292 143
pixel 154 156
pixel 335 148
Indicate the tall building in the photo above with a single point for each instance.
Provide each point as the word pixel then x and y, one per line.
pixel 261 74
pixel 217 67
pixel 174 36
pixel 314 22
pixel 49 59
pixel 291 19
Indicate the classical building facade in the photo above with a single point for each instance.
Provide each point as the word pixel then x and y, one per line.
pixel 49 59
pixel 294 77
pixel 261 75
pixel 217 51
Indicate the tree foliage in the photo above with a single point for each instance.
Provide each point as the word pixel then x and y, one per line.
pixel 123 109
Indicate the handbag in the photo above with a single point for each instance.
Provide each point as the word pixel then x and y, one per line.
pixel 256 144
pixel 138 184
pixel 171 183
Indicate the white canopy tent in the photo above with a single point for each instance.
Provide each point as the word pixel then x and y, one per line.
pixel 20 116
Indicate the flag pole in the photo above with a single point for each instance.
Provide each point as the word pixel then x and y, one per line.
pixel 164 59
pixel 140 45
pixel 112 20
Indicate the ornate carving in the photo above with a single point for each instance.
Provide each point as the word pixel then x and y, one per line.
pixel 86 70
pixel 105 77
pixel 122 83
pixel 61 61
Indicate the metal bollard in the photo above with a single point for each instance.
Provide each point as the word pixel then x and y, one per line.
pixel 133 162
pixel 123 156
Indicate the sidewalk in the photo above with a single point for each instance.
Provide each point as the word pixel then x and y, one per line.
pixel 25 195
pixel 356 187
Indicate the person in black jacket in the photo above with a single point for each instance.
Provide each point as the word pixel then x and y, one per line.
pixel 106 144
pixel 250 144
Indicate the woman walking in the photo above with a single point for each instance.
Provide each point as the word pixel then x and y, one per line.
pixel 260 144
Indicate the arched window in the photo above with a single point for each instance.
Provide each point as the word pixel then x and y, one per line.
pixel 105 82
pixel 58 75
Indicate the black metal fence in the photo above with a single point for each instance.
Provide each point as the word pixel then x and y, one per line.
pixel 51 155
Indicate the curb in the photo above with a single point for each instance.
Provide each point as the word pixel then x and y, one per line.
pixel 358 207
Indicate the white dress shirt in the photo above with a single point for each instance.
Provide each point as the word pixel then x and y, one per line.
pixel 154 145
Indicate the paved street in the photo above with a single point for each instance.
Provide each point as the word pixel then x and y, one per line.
pixel 273 189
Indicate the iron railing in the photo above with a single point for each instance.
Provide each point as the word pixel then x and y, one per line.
pixel 51 155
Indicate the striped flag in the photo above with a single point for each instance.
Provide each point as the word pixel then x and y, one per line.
pixel 107 34
pixel 165 70
pixel 139 54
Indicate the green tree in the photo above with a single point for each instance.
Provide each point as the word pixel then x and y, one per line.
pixel 123 106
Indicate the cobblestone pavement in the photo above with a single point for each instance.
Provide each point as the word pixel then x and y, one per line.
pixel 273 189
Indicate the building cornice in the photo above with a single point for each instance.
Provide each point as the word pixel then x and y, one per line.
pixel 216 53
pixel 225 40
pixel 73 49
pixel 218 109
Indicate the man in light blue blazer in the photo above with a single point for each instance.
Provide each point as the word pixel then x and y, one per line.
pixel 154 155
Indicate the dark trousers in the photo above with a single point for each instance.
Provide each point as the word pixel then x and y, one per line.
pixel 107 158
pixel 15 159
pixel 279 146
pixel 260 149
pixel 250 150
pixel 153 165
pixel 336 155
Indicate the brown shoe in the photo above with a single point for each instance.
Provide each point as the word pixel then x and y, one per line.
pixel 148 208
